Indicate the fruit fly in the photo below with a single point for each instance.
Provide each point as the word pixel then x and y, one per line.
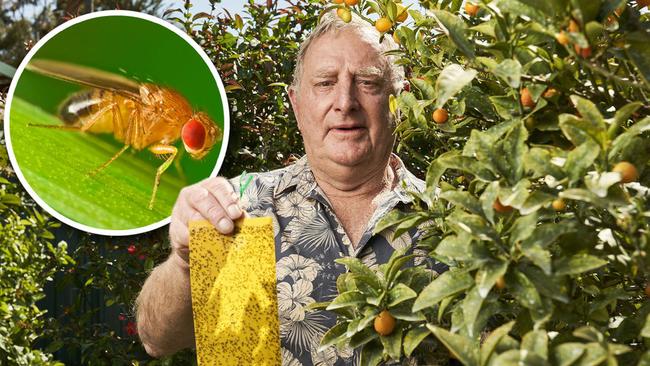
pixel 141 115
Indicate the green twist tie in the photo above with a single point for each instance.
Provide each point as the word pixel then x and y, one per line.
pixel 243 185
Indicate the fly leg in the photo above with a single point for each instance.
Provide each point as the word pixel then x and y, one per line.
pixel 112 159
pixel 161 149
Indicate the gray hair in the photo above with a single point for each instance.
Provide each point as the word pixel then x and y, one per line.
pixel 330 22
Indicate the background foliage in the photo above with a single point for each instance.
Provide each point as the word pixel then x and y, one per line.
pixel 79 306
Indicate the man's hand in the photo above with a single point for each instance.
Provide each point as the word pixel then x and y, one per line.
pixel 212 199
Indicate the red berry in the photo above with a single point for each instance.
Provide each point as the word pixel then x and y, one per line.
pixel 142 257
pixel 131 328
pixel 121 317
pixel 132 249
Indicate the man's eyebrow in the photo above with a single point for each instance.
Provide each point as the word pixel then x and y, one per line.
pixel 324 73
pixel 371 71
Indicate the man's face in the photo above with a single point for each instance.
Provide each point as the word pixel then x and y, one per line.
pixel 341 103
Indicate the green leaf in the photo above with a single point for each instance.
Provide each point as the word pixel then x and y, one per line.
pixel 639 52
pixel 395 263
pixel 492 340
pixel 451 80
pixel 403 312
pixel 471 306
pixel 239 23
pixel 487 200
pixel 548 286
pixel 393 344
pixel 536 342
pixel 519 8
pixel 333 336
pixel 524 291
pixel 622 116
pixel 645 331
pixel 595 354
pixel 585 10
pixel 7 70
pixel 577 264
pixel 371 353
pixel 623 140
pixel 540 257
pixel 548 7
pixel 517 357
pixel 413 338
pixel 506 106
pixel 515 196
pixel 545 234
pixel 580 159
pixel 461 347
pixel 317 306
pixel 455 29
pixel 350 298
pixel 510 153
pixel 428 92
pixel 487 276
pixel 394 218
pixel 522 228
pixel 588 196
pixel 463 199
pixel 452 160
pixel 473 225
pixel 590 113
pixel 578 130
pixel 365 274
pixel 341 283
pixel 462 248
pixel 645 359
pixel 567 354
pixel 400 293
pixel 510 71
pixel 363 337
pixel 148 265
pixel 447 284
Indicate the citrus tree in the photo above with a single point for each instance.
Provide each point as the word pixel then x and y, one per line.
pixel 530 118
pixel 89 289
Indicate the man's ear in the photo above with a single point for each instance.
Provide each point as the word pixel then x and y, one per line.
pixel 293 98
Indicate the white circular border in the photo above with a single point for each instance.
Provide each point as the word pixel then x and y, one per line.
pixel 66 25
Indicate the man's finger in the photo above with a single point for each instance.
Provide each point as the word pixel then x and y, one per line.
pixel 225 195
pixel 211 210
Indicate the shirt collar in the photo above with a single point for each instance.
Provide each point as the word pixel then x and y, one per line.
pixel 299 176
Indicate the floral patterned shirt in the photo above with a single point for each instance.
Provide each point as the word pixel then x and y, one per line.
pixel 308 238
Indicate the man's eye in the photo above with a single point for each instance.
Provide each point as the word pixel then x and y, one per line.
pixel 325 83
pixel 369 82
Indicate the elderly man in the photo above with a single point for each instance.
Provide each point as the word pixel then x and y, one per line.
pixel 325 206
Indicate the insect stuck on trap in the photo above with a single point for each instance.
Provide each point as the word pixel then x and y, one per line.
pixel 141 115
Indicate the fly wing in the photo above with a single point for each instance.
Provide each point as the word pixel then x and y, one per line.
pixel 87 76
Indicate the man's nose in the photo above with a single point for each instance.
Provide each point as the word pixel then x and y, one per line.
pixel 346 96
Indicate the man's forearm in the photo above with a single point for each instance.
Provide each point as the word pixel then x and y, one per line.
pixel 164 309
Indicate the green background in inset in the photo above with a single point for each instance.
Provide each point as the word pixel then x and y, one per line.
pixel 140 50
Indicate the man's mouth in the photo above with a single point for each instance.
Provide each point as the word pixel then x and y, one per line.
pixel 350 128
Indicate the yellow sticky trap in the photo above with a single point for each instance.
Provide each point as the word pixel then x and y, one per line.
pixel 234 298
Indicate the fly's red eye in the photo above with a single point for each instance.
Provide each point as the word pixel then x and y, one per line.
pixel 193 134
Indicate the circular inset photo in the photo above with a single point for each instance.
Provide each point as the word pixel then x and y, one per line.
pixel 110 116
